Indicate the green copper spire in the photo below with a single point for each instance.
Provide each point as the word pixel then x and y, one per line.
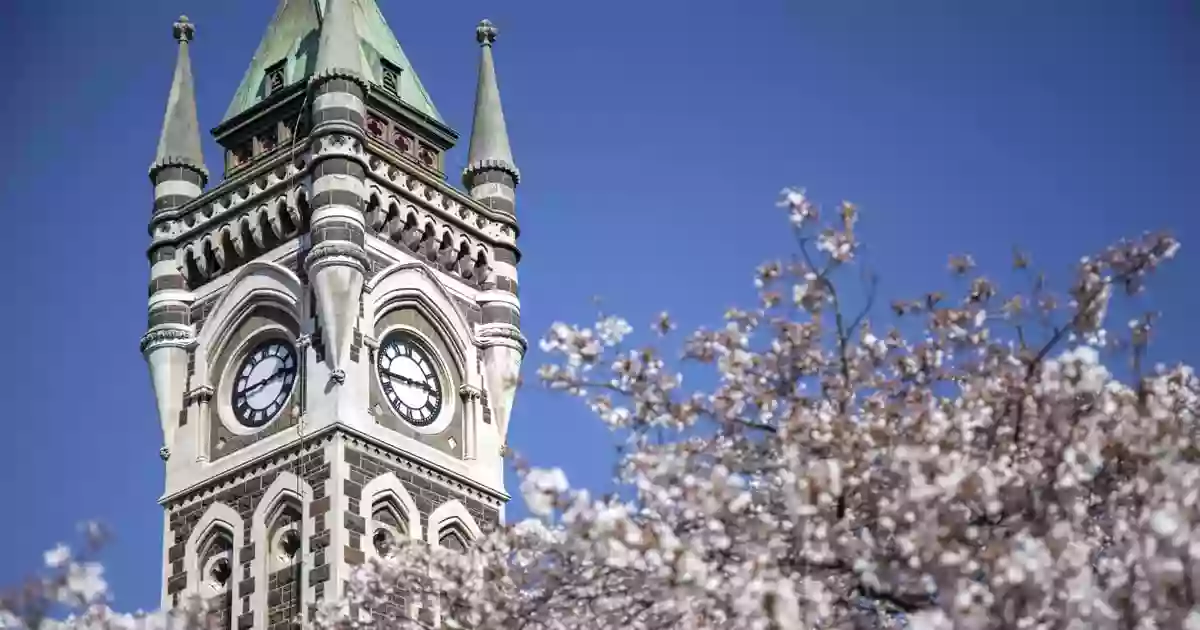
pixel 297 37
pixel 179 143
pixel 489 134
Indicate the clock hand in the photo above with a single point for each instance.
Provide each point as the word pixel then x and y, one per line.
pixel 408 381
pixel 263 383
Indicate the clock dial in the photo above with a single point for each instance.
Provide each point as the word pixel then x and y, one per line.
pixel 263 382
pixel 409 379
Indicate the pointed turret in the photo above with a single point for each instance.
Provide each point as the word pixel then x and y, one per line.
pixel 492 177
pixel 338 54
pixel 179 143
pixel 337 261
pixel 489 150
pixel 179 176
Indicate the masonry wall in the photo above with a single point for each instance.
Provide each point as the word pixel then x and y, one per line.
pixel 242 490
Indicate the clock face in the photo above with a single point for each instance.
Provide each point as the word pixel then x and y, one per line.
pixel 409 380
pixel 263 382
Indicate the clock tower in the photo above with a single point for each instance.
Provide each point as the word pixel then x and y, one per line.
pixel 334 330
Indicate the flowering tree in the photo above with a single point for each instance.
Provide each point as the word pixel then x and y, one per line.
pixel 985 470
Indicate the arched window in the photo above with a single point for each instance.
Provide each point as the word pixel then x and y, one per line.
pixel 389 525
pixel 284 555
pixel 216 573
pixel 284 536
pixel 453 537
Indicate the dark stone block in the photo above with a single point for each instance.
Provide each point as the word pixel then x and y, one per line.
pixel 246 621
pixel 320 541
pixel 319 506
pixel 159 254
pixel 337 231
pixel 336 165
pixel 179 173
pixel 499 204
pixel 354 556
pixel 505 255
pixel 246 587
pixel 176 552
pixel 501 313
pixel 319 574
pixel 339 85
pixel 492 176
pixel 169 314
pixel 165 283
pixel 338 114
pixel 338 197
pixel 355 523
pixel 352 489
pixel 170 202
pixel 506 284
pixel 176 583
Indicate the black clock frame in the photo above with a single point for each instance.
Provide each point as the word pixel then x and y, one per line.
pixel 437 395
pixel 289 375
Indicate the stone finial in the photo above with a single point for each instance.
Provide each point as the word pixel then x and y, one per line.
pixel 184 30
pixel 486 33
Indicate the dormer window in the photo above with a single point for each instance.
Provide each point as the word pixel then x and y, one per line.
pixel 391 78
pixel 275 80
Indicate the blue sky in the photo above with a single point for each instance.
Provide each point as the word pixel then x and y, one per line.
pixel 653 138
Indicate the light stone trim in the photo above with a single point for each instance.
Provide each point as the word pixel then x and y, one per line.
pixel 235 468
pixel 177 187
pixel 337 211
pixel 258 282
pixel 436 197
pixel 414 284
pixel 453 473
pixel 207 251
pixel 330 100
pixel 339 182
pixel 231 198
pixel 170 296
pixel 499 297
pixel 450 513
pixel 397 255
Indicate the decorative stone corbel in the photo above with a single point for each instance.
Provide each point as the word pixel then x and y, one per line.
pixel 166 348
pixel 503 348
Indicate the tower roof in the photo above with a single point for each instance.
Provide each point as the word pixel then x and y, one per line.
pixel 179 142
pixel 294 38
pixel 489 133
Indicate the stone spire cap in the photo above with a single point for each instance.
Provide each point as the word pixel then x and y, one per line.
pixel 338 53
pixel 179 143
pixel 489 134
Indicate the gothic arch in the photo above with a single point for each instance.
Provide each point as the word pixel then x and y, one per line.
pixel 413 284
pixel 287 488
pixel 387 488
pixel 256 282
pixel 451 514
pixel 218 516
